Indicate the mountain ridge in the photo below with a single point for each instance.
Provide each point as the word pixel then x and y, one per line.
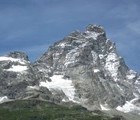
pixel 83 68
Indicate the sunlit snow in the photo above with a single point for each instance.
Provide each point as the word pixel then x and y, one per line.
pixel 71 57
pixel 4 58
pixel 128 107
pixel 62 45
pixel 93 35
pixel 131 74
pixel 3 99
pixel 17 68
pixel 101 56
pixel 96 70
pixel 103 107
pixel 61 84
pixel 112 64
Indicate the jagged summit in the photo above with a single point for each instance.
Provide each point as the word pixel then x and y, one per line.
pixel 95 28
pixel 18 55
pixel 100 77
pixel 83 68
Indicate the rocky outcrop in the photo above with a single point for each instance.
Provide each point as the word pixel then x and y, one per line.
pixel 17 78
pixel 18 55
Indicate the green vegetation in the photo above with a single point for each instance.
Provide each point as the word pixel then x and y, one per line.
pixel 39 110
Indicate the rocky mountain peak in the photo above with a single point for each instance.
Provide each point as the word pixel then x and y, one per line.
pixel 18 55
pixel 95 28
pixel 99 76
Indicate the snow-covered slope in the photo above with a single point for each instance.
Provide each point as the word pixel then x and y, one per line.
pixel 59 83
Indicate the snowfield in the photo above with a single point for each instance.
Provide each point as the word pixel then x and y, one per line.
pixel 17 68
pixel 4 58
pixel 59 83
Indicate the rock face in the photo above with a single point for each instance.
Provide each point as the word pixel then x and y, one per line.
pixel 17 77
pixel 18 55
pixel 84 68
pixel 99 76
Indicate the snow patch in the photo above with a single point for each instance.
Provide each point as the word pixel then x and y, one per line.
pixel 136 95
pixel 17 68
pixel 63 100
pixel 12 59
pixel 137 82
pixel 61 84
pixel 103 107
pixel 101 56
pixel 71 57
pixel 111 47
pixel 3 99
pixel 93 35
pixel 128 106
pixel 112 65
pixel 96 70
pixel 131 74
pixel 62 45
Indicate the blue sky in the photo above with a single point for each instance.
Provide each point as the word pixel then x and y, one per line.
pixel 33 25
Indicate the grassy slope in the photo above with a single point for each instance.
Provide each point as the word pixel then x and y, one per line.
pixel 39 110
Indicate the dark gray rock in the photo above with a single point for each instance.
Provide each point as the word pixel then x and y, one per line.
pixel 18 55
pixel 95 28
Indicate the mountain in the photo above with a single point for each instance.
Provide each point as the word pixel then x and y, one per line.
pixel 83 68
pixel 17 76
pixel 86 67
